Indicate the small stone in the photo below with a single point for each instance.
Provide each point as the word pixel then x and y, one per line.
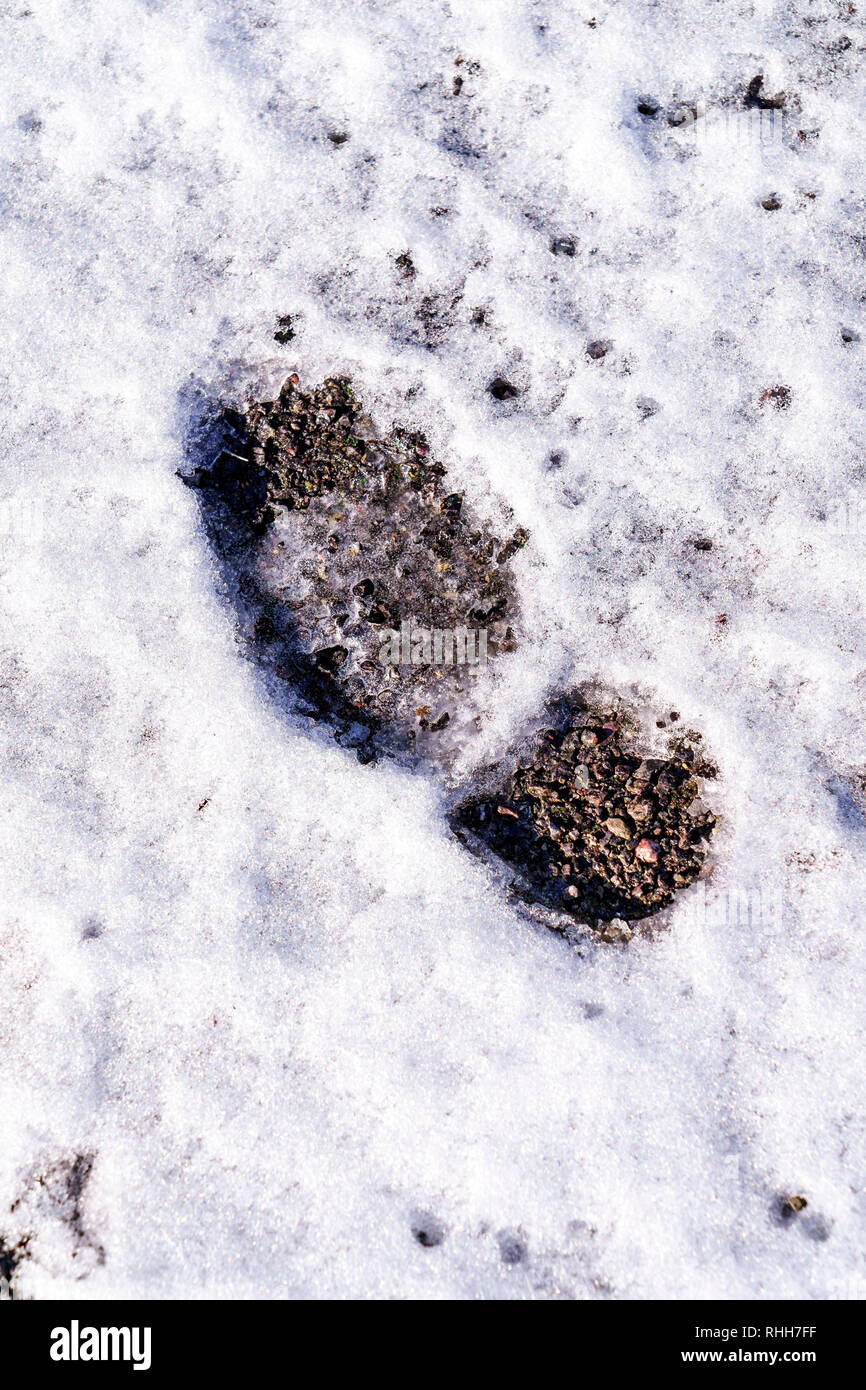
pixel 772 203
pixel 617 826
pixel 563 246
pixel 850 335
pixel 703 543
pixel 589 738
pixel 581 775
pixel 330 658
pixel 647 107
pixel 617 929
pixel 777 396
pixel 599 348
pixel 502 390
pixel 683 115
pixel 647 851
pixel 516 542
pixel 792 1206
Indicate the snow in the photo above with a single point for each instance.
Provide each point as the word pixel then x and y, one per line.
pixel 262 1018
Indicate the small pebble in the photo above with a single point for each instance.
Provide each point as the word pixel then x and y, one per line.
pixel 599 348
pixel 617 826
pixel 502 390
pixel 778 396
pixel 792 1206
pixel 648 851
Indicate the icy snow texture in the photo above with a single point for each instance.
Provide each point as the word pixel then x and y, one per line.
pixel 256 1007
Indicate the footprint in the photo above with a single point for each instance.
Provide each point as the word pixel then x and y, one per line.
pixel 366 586
pixel 593 829
pixel 380 602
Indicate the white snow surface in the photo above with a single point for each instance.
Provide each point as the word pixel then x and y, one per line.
pixel 261 1016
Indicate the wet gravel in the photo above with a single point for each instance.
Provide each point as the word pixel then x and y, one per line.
pixel 353 536
pixel 594 829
